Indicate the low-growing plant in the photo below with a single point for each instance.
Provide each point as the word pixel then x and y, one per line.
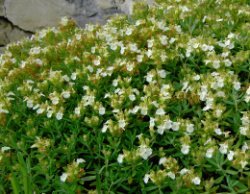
pixel 155 102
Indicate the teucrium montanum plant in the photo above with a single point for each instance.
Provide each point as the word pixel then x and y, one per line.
pixel 150 103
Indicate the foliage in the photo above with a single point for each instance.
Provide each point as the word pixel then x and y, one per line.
pixel 156 102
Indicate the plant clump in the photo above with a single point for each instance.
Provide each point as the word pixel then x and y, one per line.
pixel 155 102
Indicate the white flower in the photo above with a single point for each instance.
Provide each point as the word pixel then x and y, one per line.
pixel 132 97
pixel 184 171
pixel 64 177
pixel 162 160
pixel 133 47
pixel 150 43
pixel 88 100
pixel 77 110
pixel 209 153
pixel 196 180
pixel 73 76
pixel 156 104
pixel 38 62
pixel 149 53
pixel 197 77
pixel 122 123
pixel 163 57
pixel 230 155
pixel 64 21
pixel 120 158
pixel 123 48
pixel 203 92
pixel 223 148
pixel 227 62
pixel 209 104
pixel 105 128
pixel 90 68
pixel 195 45
pixel 172 40
pixel 185 86
pixel 145 151
pixel 144 110
pixel 116 110
pixel 78 36
pixel 245 120
pixel 171 175
pixel 134 110
pixel 40 110
pixel 59 115
pixel 139 58
pixel 5 148
pixel 161 129
pixel 149 77
pixel 129 31
pixel 243 130
pixel 130 67
pixel 36 106
pixel 162 73
pixel 248 91
pixel 151 122
pixel 113 46
pixel 160 111
pixel 93 49
pixel 66 94
pixel 97 61
pixel 49 113
pixel 146 178
pixel 80 160
pixel 23 64
pixel 35 50
pixel 236 85
pixel 115 82
pixel 216 64
pixel 55 100
pixel 244 147
pixel 164 40
pixel 190 128
pixel 243 163
pixel 204 47
pixel 218 131
pixel 185 149
pixel 218 112
pixel 175 126
pixel 66 78
pixel 102 110
pixel 168 124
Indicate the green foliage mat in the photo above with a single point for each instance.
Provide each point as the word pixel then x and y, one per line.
pixel 155 102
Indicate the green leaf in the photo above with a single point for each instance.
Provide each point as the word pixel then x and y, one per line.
pixel 219 180
pixel 15 185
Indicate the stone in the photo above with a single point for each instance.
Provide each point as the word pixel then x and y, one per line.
pixel 5 29
pixel 31 15
pixel 1 50
pixel 16 34
pixel 2 10
pixel 105 4
pixel 9 33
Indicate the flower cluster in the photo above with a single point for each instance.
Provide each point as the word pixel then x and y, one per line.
pixel 160 97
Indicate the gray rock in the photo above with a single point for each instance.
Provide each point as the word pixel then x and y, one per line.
pixel 5 29
pixel 17 34
pixel 1 50
pixel 9 33
pixel 2 10
pixel 31 15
